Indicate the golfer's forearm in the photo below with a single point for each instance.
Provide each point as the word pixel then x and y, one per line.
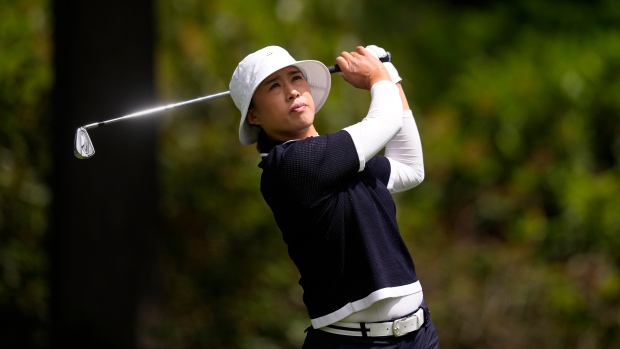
pixel 383 121
pixel 405 154
pixel 403 97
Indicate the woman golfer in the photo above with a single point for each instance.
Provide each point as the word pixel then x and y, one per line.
pixel 331 194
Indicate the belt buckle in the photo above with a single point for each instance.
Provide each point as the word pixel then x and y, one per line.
pixel 395 329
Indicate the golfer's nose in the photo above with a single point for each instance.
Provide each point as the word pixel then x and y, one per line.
pixel 293 93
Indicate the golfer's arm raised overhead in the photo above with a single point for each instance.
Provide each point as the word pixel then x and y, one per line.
pixel 383 122
pixel 405 154
pixel 404 150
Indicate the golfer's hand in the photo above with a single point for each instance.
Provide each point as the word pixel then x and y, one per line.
pixel 361 69
pixel 380 53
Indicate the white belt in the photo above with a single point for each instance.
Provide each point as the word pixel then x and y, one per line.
pixel 396 328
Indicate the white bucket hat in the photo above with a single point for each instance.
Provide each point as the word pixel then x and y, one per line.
pixel 254 68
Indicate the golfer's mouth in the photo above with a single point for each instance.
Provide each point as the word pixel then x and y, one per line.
pixel 298 107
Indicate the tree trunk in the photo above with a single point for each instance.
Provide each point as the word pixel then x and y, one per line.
pixel 105 232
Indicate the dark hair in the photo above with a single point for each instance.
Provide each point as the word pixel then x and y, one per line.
pixel 261 139
pixel 264 144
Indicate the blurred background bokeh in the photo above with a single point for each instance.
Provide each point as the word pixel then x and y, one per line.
pixel 515 231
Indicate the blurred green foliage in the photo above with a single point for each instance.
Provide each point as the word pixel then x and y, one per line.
pixel 514 231
pixel 25 82
pixel 515 228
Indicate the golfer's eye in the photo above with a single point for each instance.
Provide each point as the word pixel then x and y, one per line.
pixel 274 86
pixel 298 77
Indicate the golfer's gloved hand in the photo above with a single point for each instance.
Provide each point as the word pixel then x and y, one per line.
pixel 379 53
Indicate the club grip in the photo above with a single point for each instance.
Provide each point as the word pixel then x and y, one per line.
pixel 335 68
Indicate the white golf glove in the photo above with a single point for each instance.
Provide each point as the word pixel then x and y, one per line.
pixel 379 53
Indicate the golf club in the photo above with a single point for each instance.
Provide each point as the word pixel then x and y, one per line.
pixel 84 149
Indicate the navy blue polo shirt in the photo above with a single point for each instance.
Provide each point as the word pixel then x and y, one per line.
pixel 339 225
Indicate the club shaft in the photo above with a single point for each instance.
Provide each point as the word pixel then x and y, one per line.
pixel 332 69
pixel 157 109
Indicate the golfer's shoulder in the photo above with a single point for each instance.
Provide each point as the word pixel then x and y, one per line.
pixel 312 153
pixel 320 144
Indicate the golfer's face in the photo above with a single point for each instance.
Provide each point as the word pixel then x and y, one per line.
pixel 283 105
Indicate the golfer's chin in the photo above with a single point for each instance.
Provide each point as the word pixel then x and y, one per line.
pixel 301 131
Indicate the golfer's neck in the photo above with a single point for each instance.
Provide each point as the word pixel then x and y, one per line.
pixel 288 136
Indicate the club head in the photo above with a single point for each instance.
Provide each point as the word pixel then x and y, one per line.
pixel 83 147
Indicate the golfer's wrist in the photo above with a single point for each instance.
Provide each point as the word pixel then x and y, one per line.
pixel 377 75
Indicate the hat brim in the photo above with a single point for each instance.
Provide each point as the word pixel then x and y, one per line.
pixel 319 79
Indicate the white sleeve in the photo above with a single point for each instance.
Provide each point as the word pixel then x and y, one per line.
pixel 383 121
pixel 405 154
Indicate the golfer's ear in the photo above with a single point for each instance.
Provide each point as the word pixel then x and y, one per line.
pixel 252 118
